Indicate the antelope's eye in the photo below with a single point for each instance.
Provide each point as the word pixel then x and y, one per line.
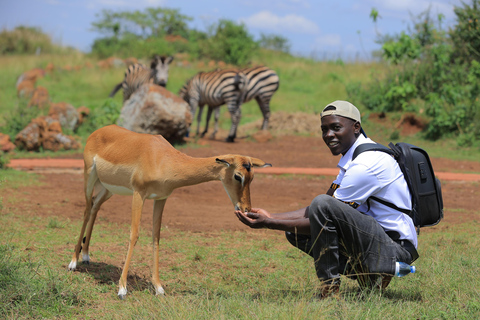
pixel 238 177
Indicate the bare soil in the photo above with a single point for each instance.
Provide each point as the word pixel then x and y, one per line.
pixel 206 207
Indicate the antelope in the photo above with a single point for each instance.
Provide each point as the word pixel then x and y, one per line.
pixel 119 161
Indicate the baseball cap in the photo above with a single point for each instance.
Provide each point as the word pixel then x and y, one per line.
pixel 343 109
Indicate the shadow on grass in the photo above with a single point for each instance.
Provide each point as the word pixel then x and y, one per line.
pixel 109 274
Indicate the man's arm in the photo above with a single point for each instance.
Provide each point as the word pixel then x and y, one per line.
pixel 293 221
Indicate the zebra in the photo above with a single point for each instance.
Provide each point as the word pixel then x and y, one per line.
pixel 262 83
pixel 214 89
pixel 138 74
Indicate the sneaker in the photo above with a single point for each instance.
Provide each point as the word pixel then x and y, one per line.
pixel 374 282
pixel 329 289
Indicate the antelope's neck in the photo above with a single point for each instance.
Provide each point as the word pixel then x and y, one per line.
pixel 189 171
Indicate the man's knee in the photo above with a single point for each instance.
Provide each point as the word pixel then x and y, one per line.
pixel 321 200
pixel 322 205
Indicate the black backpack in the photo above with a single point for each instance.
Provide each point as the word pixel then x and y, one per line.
pixel 425 188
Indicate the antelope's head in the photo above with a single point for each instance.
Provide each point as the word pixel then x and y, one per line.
pixel 160 65
pixel 237 176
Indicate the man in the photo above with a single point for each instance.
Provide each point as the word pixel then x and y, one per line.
pixel 344 231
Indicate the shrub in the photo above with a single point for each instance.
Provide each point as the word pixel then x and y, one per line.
pixel 427 68
pixel 231 43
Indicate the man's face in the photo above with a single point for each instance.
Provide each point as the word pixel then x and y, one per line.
pixel 339 133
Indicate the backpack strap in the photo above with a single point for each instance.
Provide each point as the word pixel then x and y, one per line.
pixel 379 147
pixel 371 147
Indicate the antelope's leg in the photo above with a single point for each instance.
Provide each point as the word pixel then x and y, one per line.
pixel 137 205
pixel 158 206
pixel 102 196
pixel 90 179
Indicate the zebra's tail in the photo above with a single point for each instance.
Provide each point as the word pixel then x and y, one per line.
pixel 115 89
pixel 240 82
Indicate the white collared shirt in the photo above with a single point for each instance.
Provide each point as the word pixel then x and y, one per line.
pixel 376 173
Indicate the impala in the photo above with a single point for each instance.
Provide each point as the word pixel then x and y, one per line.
pixel 119 161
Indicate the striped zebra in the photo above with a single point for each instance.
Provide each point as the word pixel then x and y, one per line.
pixel 216 88
pixel 262 83
pixel 139 74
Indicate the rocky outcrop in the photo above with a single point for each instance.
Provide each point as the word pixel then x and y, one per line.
pixel 44 132
pixel 155 110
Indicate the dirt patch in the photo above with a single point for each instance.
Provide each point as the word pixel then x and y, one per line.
pixel 206 207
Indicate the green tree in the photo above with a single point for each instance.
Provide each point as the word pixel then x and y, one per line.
pixel 433 71
pixel 466 33
pixel 153 22
pixel 230 42
pixel 274 42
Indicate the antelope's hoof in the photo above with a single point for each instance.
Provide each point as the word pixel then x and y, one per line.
pixel 122 294
pixel 72 266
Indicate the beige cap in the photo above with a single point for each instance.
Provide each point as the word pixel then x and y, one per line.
pixel 343 109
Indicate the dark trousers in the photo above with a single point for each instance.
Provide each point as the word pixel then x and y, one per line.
pixel 345 241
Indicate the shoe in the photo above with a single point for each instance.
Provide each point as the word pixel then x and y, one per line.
pixel 385 282
pixel 329 289
pixel 374 282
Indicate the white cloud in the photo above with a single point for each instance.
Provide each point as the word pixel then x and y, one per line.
pixel 328 40
pixel 291 22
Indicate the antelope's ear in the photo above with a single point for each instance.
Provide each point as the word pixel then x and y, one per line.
pixel 222 161
pixel 259 163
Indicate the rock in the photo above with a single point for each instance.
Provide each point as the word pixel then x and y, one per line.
pixel 25 89
pixel 31 75
pixel 83 113
pixel 155 110
pixel 55 141
pixel 5 144
pixel 39 98
pixel 66 114
pixel 30 138
pixel 45 132
pixel 110 63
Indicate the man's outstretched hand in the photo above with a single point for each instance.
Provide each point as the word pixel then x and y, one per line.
pixel 256 218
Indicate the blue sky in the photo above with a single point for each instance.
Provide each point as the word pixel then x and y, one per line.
pixel 312 27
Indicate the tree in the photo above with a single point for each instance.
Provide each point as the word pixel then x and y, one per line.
pixel 466 33
pixel 274 42
pixel 156 22
pixel 230 42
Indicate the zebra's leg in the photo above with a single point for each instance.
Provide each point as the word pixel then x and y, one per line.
pixel 209 115
pixel 265 108
pixel 236 114
pixel 199 119
pixel 215 130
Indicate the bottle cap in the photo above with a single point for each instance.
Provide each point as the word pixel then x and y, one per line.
pixel 412 268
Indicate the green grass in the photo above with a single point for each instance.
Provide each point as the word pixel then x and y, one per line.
pixel 218 275
pixel 305 86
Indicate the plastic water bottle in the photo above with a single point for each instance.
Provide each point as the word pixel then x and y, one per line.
pixel 402 269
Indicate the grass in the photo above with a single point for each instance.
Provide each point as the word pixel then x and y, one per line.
pixel 306 86
pixel 218 275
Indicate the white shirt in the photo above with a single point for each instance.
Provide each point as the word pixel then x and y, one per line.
pixel 376 173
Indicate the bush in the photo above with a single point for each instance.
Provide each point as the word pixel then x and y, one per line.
pixel 427 68
pixel 104 115
pixel 231 43
pixel 26 40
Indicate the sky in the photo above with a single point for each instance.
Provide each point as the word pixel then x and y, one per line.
pixel 314 28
